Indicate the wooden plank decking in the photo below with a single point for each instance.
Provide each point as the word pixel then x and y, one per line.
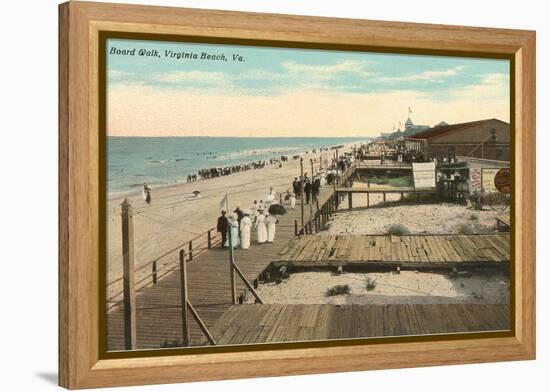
pixel 158 307
pixel 503 223
pixel 417 250
pixel 263 323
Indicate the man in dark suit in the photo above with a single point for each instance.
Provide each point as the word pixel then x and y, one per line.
pixel 307 190
pixel 296 186
pixel 316 188
pixel 222 226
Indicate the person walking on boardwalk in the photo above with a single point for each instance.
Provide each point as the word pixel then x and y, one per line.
pixel 233 230
pixel 307 190
pixel 270 198
pixel 222 227
pixel 296 187
pixel 261 229
pixel 246 225
pixel 292 201
pixel 270 222
pixel 240 215
pixel 315 188
pixel 254 208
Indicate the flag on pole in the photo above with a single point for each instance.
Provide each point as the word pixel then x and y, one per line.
pixel 224 203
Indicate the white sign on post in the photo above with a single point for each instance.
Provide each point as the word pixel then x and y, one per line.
pixel 424 175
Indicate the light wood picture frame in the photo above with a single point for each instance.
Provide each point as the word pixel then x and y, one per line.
pixel 82 359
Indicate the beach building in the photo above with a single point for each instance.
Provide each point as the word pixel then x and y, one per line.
pixel 484 139
pixel 410 129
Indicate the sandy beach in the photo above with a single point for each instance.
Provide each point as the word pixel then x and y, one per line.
pixel 418 219
pixel 175 215
pixel 408 287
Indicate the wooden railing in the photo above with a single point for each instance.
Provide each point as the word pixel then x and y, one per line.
pixel 320 218
pixel 322 215
pixel 194 247
pixel 187 307
pixel 187 251
pixel 387 164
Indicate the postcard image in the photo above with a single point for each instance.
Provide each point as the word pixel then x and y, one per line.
pixel 259 195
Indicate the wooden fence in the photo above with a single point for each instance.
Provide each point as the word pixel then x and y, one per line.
pixel 160 266
pixel 322 215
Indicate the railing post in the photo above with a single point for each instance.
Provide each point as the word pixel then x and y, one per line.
pixel 184 299
pixel 154 272
pixel 190 250
pixel 209 238
pixel 128 276
pixel 232 267
pixel 301 191
pixel 317 222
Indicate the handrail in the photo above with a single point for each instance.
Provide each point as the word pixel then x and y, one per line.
pixel 159 272
pixel 393 164
pixel 163 255
pixel 319 218
pixel 175 249
pixel 186 305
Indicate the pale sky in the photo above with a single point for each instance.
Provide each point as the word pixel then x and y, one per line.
pixel 293 92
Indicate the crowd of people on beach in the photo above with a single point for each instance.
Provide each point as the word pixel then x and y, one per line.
pixel 215 172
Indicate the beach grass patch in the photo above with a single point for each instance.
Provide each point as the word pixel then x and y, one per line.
pixel 338 290
pixel 371 284
pixel 398 230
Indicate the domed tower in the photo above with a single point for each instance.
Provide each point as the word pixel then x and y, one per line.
pixel 409 124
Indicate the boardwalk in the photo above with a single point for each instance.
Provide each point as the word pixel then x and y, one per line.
pixel 159 310
pixel 158 307
pixel 413 250
pixel 254 323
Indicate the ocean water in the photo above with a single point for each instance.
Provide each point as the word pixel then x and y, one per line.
pixel 161 161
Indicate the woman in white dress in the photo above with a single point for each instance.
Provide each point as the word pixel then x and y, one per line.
pixel 270 199
pixel 233 230
pixel 270 222
pixel 246 224
pixel 323 179
pixel 253 208
pixel 261 230
pixel 292 201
